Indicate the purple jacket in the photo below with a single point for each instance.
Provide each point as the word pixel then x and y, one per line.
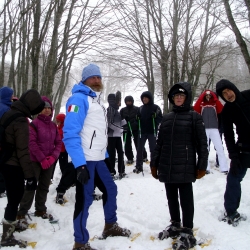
pixel 44 138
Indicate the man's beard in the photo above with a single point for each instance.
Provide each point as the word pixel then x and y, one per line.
pixel 97 88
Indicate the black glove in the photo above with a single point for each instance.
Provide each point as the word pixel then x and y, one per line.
pixel 153 114
pixel 31 184
pixel 82 174
pixel 127 118
pixel 235 165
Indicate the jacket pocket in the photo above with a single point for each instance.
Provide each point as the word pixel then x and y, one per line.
pixel 92 138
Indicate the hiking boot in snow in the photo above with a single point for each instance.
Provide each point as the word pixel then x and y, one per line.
pixel 59 198
pixel 122 175
pixel 130 162
pixel 186 241
pixel 8 239
pixel 234 218
pixel 111 230
pixel 21 223
pixel 80 246
pixel 137 170
pixel 43 215
pixel 2 195
pixel 207 172
pixel 97 197
pixel 145 160
pixel 172 231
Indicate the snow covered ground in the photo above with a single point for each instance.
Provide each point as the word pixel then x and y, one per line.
pixel 142 207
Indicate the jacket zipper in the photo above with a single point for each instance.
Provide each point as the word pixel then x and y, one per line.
pixel 171 147
pixel 94 134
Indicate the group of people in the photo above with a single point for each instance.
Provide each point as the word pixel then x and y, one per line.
pixel 88 137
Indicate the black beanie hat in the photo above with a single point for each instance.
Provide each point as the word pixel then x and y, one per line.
pixel 178 90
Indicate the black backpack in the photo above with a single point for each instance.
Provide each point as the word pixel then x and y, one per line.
pixel 6 149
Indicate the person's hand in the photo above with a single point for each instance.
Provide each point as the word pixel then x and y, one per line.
pixel 200 173
pixel 82 174
pixel 235 165
pixel 51 160
pixel 154 172
pixel 153 114
pixel 45 164
pixel 31 184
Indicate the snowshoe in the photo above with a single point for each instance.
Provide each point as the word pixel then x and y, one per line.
pixel 129 162
pixel 233 219
pixel 60 199
pixel 137 170
pixel 123 175
pixel 97 197
pixel 186 241
pixel 172 231
pixel 21 225
pixel 111 230
pixel 79 246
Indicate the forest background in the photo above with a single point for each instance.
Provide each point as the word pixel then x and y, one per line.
pixel 138 44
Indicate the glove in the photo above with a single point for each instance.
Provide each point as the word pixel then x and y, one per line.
pixel 127 118
pixel 82 174
pixel 153 114
pixel 45 164
pixel 154 172
pixel 200 173
pixel 51 160
pixel 235 165
pixel 31 184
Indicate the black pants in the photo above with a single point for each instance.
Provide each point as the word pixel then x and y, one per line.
pixel 63 160
pixel 14 180
pixel 185 191
pixel 115 145
pixel 68 178
pixel 128 145
pixel 2 184
pixel 141 143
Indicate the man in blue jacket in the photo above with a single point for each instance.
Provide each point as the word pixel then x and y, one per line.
pixel 85 139
pixel 6 94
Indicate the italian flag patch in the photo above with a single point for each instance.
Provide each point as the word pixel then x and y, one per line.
pixel 73 108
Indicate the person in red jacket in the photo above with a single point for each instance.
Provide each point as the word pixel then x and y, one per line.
pixel 209 106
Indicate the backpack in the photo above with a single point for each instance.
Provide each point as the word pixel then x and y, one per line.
pixel 6 149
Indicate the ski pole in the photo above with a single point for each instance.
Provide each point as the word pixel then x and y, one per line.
pixel 130 129
pixel 154 126
pixel 125 138
pixel 139 122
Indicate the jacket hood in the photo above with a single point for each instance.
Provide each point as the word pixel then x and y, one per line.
pixel 187 87
pixel 32 101
pixel 148 95
pixel 225 84
pixel 112 101
pixel 80 87
pixel 129 98
pixel 5 95
pixel 46 99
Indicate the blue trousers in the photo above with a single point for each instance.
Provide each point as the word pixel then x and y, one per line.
pixel 232 194
pixel 84 198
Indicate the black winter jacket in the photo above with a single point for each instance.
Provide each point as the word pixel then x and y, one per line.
pixel 181 135
pixel 238 113
pixel 145 115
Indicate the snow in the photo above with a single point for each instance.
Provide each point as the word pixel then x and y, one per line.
pixel 142 208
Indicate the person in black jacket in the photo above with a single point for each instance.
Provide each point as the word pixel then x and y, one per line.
pixel 181 134
pixel 129 113
pixel 236 112
pixel 149 117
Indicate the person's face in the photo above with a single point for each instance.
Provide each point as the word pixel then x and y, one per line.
pixel 95 83
pixel 179 99
pixel 229 95
pixel 145 100
pixel 128 103
pixel 208 97
pixel 46 111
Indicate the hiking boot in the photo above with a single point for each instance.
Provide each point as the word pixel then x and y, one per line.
pixel 186 241
pixel 172 231
pixel 137 170
pixel 207 172
pixel 43 215
pixel 234 218
pixel 59 198
pixel 8 239
pixel 80 246
pixel 145 160
pixel 2 195
pixel 122 175
pixel 97 197
pixel 21 223
pixel 111 230
pixel 130 162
